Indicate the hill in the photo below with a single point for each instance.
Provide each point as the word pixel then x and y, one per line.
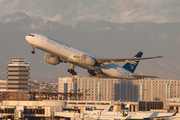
pixel 102 38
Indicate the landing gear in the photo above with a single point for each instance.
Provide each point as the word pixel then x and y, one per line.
pixel 33 51
pixel 72 69
pixel 92 72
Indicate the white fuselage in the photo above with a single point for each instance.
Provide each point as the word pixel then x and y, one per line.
pixel 131 115
pixel 99 117
pixel 68 53
pixel 141 115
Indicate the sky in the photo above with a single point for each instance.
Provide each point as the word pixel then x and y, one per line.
pixel 118 11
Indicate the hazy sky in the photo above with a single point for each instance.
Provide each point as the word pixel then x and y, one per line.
pixel 119 11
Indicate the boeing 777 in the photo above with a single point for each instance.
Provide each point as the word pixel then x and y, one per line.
pixel 58 51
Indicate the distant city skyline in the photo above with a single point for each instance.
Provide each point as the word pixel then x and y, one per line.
pixel 118 11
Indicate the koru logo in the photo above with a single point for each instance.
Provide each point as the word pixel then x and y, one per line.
pixel 133 64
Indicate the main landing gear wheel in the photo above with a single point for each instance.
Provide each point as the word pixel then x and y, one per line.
pixel 33 52
pixel 72 71
pixel 92 72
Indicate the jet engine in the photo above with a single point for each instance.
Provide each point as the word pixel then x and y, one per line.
pixel 52 59
pixel 87 60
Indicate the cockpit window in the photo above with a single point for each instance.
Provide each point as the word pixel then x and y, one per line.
pixel 31 35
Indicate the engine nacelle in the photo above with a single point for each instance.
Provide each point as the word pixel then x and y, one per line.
pixel 52 59
pixel 87 60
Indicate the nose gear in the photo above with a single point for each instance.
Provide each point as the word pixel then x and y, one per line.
pixel 33 51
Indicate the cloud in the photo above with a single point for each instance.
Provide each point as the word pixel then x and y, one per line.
pixel 69 11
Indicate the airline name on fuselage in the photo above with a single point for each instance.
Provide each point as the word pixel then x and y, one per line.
pixel 51 40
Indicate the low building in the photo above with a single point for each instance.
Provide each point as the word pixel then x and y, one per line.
pixel 72 110
pixel 14 95
pixel 30 109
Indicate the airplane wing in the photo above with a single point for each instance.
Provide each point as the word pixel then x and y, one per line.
pixel 160 117
pixel 142 76
pixel 107 61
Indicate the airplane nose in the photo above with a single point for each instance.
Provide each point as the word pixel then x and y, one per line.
pixel 27 39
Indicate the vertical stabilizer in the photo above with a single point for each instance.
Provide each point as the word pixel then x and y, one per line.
pixel 132 66
pixel 111 107
pixel 125 109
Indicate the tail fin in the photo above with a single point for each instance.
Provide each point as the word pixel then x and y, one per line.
pixel 125 109
pixel 111 107
pixel 132 66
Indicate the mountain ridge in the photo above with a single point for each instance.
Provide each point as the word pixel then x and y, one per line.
pixel 102 38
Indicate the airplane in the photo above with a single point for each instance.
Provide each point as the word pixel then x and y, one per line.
pixel 109 114
pixel 58 52
pixel 147 115
pixel 125 114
